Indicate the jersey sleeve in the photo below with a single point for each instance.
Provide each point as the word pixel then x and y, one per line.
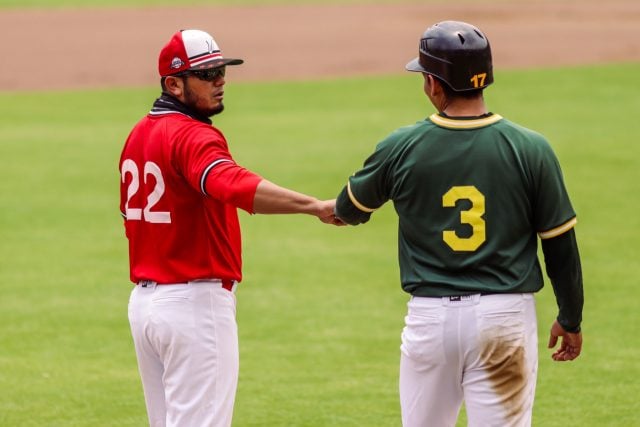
pixel 553 213
pixel 204 159
pixel 230 183
pixel 562 259
pixel 367 189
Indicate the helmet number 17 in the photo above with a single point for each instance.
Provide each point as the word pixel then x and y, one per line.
pixel 478 79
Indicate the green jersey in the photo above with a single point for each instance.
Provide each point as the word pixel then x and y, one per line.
pixel 472 197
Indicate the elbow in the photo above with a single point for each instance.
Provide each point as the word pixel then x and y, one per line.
pixel 353 218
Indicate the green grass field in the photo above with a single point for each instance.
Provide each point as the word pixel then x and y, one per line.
pixel 320 310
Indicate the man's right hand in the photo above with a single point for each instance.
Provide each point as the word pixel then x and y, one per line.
pixel 327 214
pixel 570 346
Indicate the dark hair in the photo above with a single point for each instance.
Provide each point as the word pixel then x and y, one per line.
pixel 451 94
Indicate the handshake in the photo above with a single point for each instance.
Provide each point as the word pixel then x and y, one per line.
pixel 326 212
pixel 273 199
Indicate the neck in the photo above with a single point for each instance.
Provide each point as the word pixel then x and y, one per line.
pixel 168 102
pixel 462 107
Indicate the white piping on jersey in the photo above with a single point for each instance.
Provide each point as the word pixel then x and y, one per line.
pixel 464 124
pixel 206 172
pixel 554 232
pixel 358 205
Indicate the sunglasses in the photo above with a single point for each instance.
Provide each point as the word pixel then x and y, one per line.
pixel 209 75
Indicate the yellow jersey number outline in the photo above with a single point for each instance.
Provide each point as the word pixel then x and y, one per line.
pixel 472 216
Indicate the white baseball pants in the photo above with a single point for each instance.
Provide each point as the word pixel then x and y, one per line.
pixel 186 342
pixel 482 350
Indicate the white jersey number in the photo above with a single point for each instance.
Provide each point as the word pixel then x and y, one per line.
pixel 473 217
pixel 150 168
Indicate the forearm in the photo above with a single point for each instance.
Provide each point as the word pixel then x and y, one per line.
pixel 562 260
pixel 273 199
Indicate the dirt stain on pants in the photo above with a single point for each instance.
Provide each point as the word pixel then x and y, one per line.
pixel 505 363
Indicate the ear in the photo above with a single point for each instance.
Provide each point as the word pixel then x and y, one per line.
pixel 432 86
pixel 174 85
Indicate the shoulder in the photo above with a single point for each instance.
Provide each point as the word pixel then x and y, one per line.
pixel 405 134
pixel 526 133
pixel 411 130
pixel 189 130
pixel 525 139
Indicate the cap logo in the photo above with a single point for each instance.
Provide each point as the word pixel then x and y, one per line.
pixel 210 45
pixel 176 63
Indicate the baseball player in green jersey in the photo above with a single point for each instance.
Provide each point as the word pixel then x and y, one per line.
pixel 473 193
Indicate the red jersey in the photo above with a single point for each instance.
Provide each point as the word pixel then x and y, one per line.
pixel 179 194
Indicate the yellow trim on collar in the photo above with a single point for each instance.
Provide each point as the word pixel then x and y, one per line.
pixel 449 123
pixel 357 204
pixel 555 232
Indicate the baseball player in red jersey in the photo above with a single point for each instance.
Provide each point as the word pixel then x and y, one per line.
pixel 180 189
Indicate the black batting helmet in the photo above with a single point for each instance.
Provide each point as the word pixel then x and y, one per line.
pixel 456 52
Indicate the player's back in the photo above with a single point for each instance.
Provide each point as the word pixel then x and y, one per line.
pixel 465 192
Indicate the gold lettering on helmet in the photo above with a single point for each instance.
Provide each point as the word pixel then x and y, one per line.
pixel 478 79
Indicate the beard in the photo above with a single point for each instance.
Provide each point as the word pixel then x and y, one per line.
pixel 191 100
pixel 212 111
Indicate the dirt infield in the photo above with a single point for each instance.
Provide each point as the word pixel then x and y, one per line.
pixel 91 48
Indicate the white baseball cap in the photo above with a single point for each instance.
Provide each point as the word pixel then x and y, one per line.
pixel 191 50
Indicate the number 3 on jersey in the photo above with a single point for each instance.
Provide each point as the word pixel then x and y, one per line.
pixel 150 168
pixel 472 216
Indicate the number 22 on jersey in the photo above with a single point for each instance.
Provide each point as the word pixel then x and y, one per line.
pixel 471 216
pixel 135 213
